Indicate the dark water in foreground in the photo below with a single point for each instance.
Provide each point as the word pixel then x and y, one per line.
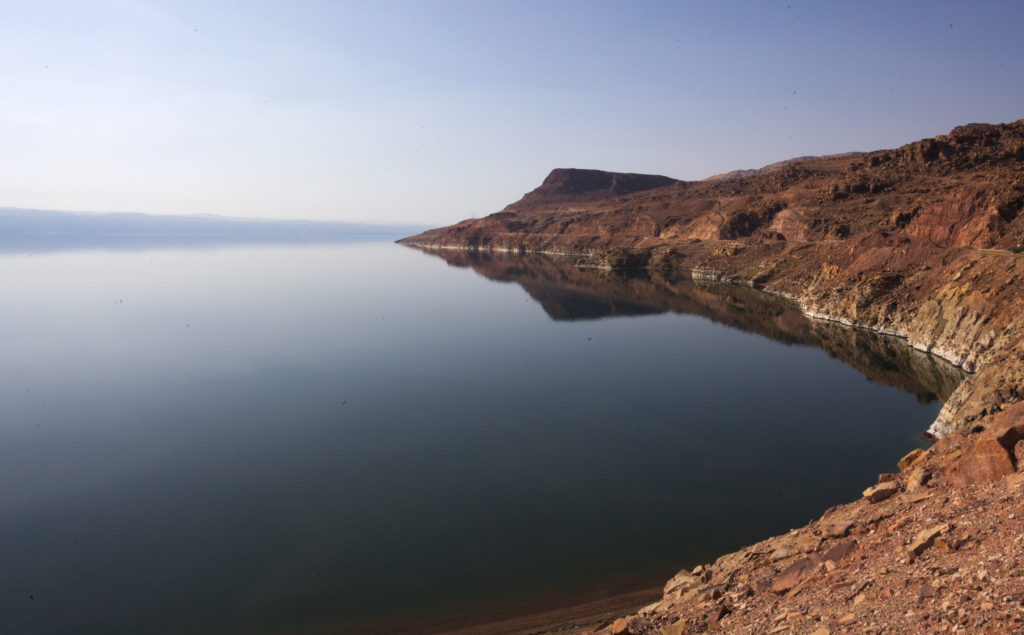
pixel 278 439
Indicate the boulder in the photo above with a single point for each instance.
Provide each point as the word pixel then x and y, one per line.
pixel 988 459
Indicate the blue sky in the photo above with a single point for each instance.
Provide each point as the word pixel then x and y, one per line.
pixel 435 111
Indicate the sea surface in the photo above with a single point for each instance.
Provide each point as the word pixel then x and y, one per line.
pixel 363 436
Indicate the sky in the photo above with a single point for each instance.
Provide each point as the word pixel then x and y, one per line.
pixel 430 112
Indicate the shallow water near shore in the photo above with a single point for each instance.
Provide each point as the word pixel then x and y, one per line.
pixel 361 437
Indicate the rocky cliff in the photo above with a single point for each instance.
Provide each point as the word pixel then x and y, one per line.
pixel 916 242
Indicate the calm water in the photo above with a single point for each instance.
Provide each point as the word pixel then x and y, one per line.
pixel 343 437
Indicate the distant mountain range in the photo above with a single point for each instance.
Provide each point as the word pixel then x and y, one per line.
pixel 47 229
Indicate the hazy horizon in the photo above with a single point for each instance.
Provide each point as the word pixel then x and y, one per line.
pixel 428 113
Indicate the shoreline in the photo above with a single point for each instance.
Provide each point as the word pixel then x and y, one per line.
pixel 578 617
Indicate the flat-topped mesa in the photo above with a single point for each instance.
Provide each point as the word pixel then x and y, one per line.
pixel 565 190
pixel 573 185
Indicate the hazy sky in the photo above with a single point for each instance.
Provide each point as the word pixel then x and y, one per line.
pixel 434 111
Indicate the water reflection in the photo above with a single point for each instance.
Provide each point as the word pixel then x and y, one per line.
pixel 566 292
pixel 322 439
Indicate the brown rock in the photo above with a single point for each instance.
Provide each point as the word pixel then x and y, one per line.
pixel 681 583
pixel 849 618
pixel 838 528
pixel 917 497
pixel 709 593
pixel 987 460
pixel 679 628
pixel 1008 426
pixel 808 542
pixel 718 614
pixel 1015 480
pixel 948 443
pixel 918 478
pixel 840 551
pixel 793 575
pixel 925 538
pixel 619 627
pixel 880 492
pixel 912 457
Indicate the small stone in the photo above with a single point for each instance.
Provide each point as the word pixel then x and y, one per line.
pixel 925 538
pixel 840 551
pixel 918 478
pixel 860 598
pixel 781 554
pixel 792 575
pixel 808 542
pixel 880 492
pixel 911 458
pixel 986 606
pixel 682 582
pixel 838 528
pixel 846 619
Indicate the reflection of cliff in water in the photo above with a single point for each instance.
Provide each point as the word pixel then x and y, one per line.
pixel 566 292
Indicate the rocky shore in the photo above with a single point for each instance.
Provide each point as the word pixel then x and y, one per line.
pixel 936 547
pixel 920 242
